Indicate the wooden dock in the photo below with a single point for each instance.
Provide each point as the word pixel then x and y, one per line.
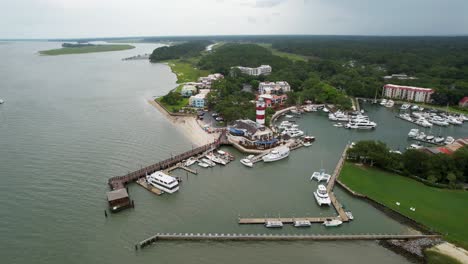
pixel 273 237
pixel 142 182
pixel 336 204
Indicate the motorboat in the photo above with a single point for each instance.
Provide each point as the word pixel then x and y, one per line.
pixel 338 125
pixel 294 134
pixel 389 103
pixel 289 116
pixel 439 139
pixel 325 110
pixel 302 223
pixel 190 162
pixel 2 101
pixel 358 117
pixel 274 224
pixel 163 182
pixel 209 162
pixel 454 121
pixel 437 120
pixel 406 117
pixel 414 132
pixel 395 151
pixel 415 146
pixel 423 122
pixel 449 140
pixel 321 195
pixel 203 164
pixel 415 108
pixel 216 159
pixel 276 154
pixel 421 136
pixel 332 222
pixel 247 162
pixel 429 137
pixel 306 144
pixel 349 215
pixel 361 124
pixel 338 116
pixel 309 139
pixel 320 176
pixel 405 106
pixel 383 102
pixel 296 112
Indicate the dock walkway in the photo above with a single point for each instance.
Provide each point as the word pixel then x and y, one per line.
pixel 273 237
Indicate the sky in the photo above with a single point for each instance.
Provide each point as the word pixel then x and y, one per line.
pixel 120 18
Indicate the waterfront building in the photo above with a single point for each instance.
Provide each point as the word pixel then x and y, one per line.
pixel 272 100
pixel 399 76
pixel 463 102
pixel 261 70
pixel 409 93
pixel 274 87
pixel 198 100
pixel 205 82
pixel 118 200
pixel 188 90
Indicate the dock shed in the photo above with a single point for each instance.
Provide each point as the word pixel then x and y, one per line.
pixel 118 200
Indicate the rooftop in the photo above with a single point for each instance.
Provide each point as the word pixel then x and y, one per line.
pixel 117 194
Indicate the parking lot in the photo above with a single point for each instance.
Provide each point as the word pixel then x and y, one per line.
pixel 208 119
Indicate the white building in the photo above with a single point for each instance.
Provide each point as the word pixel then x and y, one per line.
pixel 399 76
pixel 274 87
pixel 205 82
pixel 262 70
pixel 408 93
pixel 199 99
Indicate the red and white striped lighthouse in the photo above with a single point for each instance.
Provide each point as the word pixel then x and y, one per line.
pixel 260 107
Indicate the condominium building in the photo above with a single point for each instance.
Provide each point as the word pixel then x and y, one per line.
pixel 274 87
pixel 409 93
pixel 198 100
pixel 205 82
pixel 262 70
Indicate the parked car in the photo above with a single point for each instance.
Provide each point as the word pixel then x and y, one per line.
pixel 214 114
pixel 219 119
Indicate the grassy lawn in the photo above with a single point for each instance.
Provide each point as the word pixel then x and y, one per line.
pixel 445 211
pixel 435 257
pixel 451 109
pixel 291 56
pixel 174 108
pixel 90 49
pixel 186 71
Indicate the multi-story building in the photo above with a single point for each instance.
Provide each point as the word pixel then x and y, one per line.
pixel 409 93
pixel 198 100
pixel 273 99
pixel 262 70
pixel 274 87
pixel 188 90
pixel 205 82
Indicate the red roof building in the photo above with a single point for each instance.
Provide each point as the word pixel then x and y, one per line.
pixel 463 102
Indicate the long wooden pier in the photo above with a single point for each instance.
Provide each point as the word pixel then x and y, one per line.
pixel 274 237
pixel 336 204
pixel 119 182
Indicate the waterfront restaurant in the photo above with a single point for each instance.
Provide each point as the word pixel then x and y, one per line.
pixel 250 134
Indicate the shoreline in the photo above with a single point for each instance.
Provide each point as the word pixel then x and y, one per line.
pixel 188 126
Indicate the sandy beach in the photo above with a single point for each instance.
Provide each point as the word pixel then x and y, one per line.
pixel 451 250
pixel 189 126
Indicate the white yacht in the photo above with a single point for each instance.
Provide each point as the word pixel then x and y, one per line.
pixel 389 103
pixel 405 106
pixel 321 195
pixel 454 121
pixel 332 222
pixel 276 154
pixel 273 224
pixel 325 110
pixel 247 162
pixel 338 116
pixel 415 108
pixel 215 159
pixel 209 162
pixel 349 215
pixel 414 132
pixel 320 176
pixel 429 137
pixel 449 140
pixel 302 223
pixel 1 101
pixel 406 117
pixel 163 182
pixel 422 122
pixel 190 162
pixel 295 133
pixel 415 146
pixel 439 139
pixel 361 124
pixel 203 164
pixel 338 125
pixel 383 102
pixel 289 116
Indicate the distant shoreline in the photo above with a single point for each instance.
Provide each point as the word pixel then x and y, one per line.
pixel 86 49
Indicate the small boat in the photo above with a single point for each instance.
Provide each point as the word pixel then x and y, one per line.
pixel 2 101
pixel 395 151
pixel 439 139
pixel 383 102
pixel 332 222
pixel 190 162
pixel 247 162
pixel 429 137
pixel 273 224
pixel 307 144
pixel 325 110
pixel 350 215
pixel 338 125
pixel 289 116
pixel 320 176
pixel 413 133
pixel 209 162
pixel 389 103
pixel 309 139
pixel 415 108
pixel 302 223
pixel 215 159
pixel 415 146
pixel 203 164
pixel 362 111
pixel 405 106
pixel 449 140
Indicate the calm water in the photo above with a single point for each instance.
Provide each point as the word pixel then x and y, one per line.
pixel 71 122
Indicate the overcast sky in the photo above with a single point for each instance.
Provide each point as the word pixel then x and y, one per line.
pixel 116 18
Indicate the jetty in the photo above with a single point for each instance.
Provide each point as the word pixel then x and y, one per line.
pixel 273 237
pixel 342 216
pixel 120 182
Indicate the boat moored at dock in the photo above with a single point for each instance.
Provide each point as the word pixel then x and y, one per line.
pixel 302 223
pixel 274 224
pixel 163 182
pixel 277 154
pixel 320 176
pixel 332 222
pixel 321 195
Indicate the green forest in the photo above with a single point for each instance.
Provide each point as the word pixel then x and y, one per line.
pixel 183 50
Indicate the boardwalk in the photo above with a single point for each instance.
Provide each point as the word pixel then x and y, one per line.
pixel 272 237
pixel 119 182
pixel 336 204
